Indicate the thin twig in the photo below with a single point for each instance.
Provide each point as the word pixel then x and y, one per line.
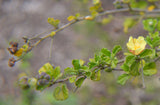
pixel 83 18
pixel 155 60
pixel 121 61
pixel 143 83
pixel 115 69
pixel 50 52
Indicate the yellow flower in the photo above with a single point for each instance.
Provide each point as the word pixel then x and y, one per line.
pixel 151 8
pixel 136 46
pixel 19 52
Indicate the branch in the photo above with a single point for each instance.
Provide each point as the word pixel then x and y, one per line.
pixel 83 18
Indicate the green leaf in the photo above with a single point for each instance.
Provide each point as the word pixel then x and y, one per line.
pixel 56 72
pixel 114 63
pixel 72 79
pixel 125 67
pixel 79 82
pixel 146 53
pixel 150 69
pixel 96 1
pixel 96 57
pixel 130 59
pixel 150 24
pixel 61 92
pixel 92 65
pixel 70 18
pixel 81 62
pixel 96 75
pixel 149 41
pixel 106 52
pixel 54 22
pixel 32 82
pixel 70 71
pixel 155 34
pixel 116 49
pixel 134 69
pixel 88 73
pixel 158 25
pixel 142 4
pixel 156 42
pixel 76 64
pixel 47 68
pixel 41 87
pixel 123 78
pixel 77 15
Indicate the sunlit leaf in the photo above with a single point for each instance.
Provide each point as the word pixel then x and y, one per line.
pixel 79 82
pixel 150 69
pixel 123 78
pixel 61 92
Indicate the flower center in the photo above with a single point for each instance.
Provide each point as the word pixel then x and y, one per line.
pixel 136 47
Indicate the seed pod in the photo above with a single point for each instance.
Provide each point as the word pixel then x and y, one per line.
pixel 39 77
pixel 13 44
pixel 43 74
pixel 12 50
pixel 23 82
pixel 11 62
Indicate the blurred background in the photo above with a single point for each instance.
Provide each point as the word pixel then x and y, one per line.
pixel 20 18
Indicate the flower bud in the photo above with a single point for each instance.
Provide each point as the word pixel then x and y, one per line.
pixel 47 77
pixel 23 82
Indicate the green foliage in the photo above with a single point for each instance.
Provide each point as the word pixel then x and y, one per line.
pixel 72 79
pixel 125 67
pixel 96 8
pixel 130 59
pixel 61 92
pixel 53 72
pixel 138 4
pixel 154 34
pixel 123 78
pixel 106 52
pixel 96 1
pixel 96 74
pixel 105 59
pixel 79 81
pixel 134 68
pixel 153 42
pixel 150 24
pixel 77 64
pixel 116 49
pixel 150 69
pixel 70 71
pixel 70 18
pixel 54 22
pixel 146 53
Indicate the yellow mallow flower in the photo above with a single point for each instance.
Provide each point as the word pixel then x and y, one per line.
pixel 136 46
pixel 151 8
